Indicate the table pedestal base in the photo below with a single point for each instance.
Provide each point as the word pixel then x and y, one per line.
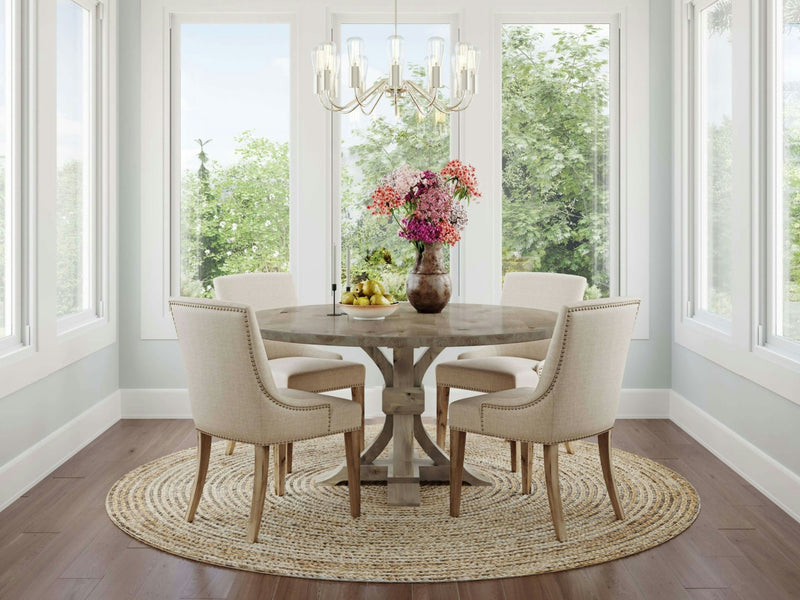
pixel 403 490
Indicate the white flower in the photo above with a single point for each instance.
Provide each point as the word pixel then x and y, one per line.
pixel 255 248
pixel 234 226
pixel 268 223
pixel 207 251
pixel 229 252
pixel 222 223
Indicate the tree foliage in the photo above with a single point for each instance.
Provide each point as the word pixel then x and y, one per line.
pixel 555 153
pixel 235 218
pixel 69 239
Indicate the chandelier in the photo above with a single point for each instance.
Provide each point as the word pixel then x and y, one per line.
pixel 464 65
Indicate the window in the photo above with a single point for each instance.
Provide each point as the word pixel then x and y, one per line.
pixel 713 193
pixel 783 303
pixel 371 147
pixel 76 156
pixel 8 211
pixel 231 114
pixel 559 176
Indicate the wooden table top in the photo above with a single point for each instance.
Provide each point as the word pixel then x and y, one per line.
pixel 456 325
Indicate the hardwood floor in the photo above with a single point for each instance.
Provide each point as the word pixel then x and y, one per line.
pixel 56 542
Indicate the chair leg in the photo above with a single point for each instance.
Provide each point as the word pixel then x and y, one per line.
pixel 357 394
pixel 554 489
pixel 513 446
pixel 289 449
pixel 279 473
pixel 203 454
pixel 526 460
pixel 229 448
pixel 353 456
pixel 604 445
pixel 458 440
pixel 442 401
pixel 569 448
pixel 259 492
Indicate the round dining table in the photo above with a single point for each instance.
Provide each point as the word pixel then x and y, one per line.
pixel 403 396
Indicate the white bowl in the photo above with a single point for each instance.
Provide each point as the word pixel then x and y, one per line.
pixel 372 312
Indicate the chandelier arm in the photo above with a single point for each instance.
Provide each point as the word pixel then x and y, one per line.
pixel 431 100
pixel 368 111
pixel 462 104
pixel 365 99
pixel 423 110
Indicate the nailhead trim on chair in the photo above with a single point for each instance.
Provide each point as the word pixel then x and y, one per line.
pixel 261 385
pixel 549 389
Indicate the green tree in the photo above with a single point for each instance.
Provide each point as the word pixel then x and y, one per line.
pixel 380 147
pixel 555 153
pixel 235 218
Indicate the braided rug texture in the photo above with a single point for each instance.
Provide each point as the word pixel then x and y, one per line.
pixel 309 532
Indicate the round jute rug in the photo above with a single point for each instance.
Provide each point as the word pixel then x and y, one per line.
pixel 309 531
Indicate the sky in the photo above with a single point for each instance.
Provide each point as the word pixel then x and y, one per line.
pixel 234 78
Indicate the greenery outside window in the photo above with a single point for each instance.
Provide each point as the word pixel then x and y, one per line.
pixel 559 176
pixel 231 167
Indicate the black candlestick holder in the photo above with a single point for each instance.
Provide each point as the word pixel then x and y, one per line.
pixel 333 303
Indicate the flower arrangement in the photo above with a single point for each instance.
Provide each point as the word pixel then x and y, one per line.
pixel 427 206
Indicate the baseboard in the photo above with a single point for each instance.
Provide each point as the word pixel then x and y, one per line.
pixel 155 403
pixel 770 477
pixel 26 470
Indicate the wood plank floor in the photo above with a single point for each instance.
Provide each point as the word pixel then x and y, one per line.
pixel 56 542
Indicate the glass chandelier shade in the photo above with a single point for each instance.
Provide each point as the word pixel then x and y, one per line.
pixel 465 60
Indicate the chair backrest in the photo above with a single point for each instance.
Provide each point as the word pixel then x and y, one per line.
pixel 582 375
pixel 262 291
pixel 231 390
pixel 548 291
pixel 259 290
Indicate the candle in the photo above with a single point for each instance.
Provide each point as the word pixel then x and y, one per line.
pixel 347 270
pixel 334 279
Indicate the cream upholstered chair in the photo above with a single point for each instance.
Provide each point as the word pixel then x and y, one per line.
pixel 295 366
pixel 577 396
pixel 234 396
pixel 508 366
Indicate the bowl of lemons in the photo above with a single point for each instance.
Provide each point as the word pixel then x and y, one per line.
pixel 368 301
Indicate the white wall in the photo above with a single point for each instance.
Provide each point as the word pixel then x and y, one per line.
pixel 31 414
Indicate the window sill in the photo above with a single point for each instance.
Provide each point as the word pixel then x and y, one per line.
pixel 43 357
pixel 764 367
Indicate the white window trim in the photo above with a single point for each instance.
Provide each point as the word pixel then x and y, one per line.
pixel 14 311
pixel 156 211
pixel 630 213
pixel 738 351
pixel 44 351
pixel 478 140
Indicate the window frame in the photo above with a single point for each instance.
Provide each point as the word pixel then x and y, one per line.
pixel 159 233
pixel 15 224
pixel 338 19
pixel 742 350
pixel 45 348
pixel 615 196
pixel 768 339
pixel 630 249
pixel 699 212
pixel 93 213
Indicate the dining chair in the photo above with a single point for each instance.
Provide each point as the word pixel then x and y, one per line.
pixel 233 396
pixel 295 366
pixel 577 396
pixel 507 366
